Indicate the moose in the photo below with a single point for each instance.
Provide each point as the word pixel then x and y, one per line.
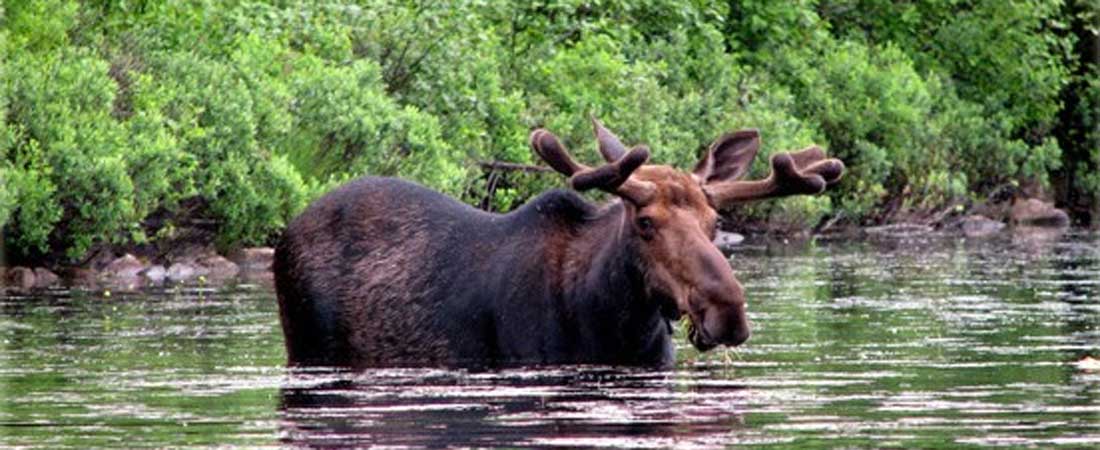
pixel 385 272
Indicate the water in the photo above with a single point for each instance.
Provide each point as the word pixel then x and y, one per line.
pixel 932 343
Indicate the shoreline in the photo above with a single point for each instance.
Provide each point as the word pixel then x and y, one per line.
pixel 127 272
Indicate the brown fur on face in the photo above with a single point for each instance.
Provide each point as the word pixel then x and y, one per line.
pixel 676 229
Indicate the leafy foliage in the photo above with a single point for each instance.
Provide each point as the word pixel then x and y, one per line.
pixel 126 120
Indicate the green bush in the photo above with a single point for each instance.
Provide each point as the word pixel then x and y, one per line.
pixel 343 116
pixel 63 101
pixel 128 120
pixel 217 121
pixel 872 108
pixel 1006 55
pixel 40 25
pixel 1088 178
pixel 7 141
pixel 28 182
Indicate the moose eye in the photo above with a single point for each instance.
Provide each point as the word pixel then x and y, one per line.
pixel 645 226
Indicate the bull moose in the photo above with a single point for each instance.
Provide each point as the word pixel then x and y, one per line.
pixel 384 272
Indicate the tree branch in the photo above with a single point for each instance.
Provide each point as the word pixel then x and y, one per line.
pixel 512 167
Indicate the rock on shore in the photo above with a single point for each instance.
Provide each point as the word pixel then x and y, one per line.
pixel 898 230
pixel 218 268
pixel 256 259
pixel 44 278
pixel 25 278
pixel 727 241
pixel 130 271
pixel 125 267
pixel 974 226
pixel 20 278
pixel 1037 213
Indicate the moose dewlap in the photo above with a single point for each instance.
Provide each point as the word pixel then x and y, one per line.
pixel 384 272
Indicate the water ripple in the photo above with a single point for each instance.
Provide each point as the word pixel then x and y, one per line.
pixel 937 343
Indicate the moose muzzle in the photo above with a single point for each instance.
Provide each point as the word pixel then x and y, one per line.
pixel 718 315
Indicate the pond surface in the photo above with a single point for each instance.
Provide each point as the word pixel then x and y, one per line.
pixel 930 343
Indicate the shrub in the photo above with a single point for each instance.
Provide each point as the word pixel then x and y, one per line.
pixel 1088 177
pixel 7 141
pixel 63 104
pixel 32 192
pixel 124 120
pixel 213 115
pixel 40 25
pixel 872 108
pixel 1006 55
pixel 345 120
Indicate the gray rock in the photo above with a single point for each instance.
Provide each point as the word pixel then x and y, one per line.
pixel 898 230
pixel 266 278
pixel 218 268
pixel 20 277
pixel 123 268
pixel 727 241
pixel 974 226
pixel 1033 212
pixel 81 277
pixel 44 278
pixel 155 273
pixel 184 272
pixel 254 259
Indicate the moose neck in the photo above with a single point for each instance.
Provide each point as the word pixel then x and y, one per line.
pixel 605 282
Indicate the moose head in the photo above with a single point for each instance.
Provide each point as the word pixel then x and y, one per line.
pixel 672 216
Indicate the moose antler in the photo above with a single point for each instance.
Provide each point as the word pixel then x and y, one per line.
pixel 805 172
pixel 613 177
pixel 610 146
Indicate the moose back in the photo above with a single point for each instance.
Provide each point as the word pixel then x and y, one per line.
pixel 384 272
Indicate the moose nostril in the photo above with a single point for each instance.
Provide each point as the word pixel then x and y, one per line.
pixel 740 336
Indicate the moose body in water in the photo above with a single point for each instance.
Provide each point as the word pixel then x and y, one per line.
pixel 384 272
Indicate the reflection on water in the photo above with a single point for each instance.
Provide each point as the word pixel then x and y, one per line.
pixel 576 406
pixel 932 343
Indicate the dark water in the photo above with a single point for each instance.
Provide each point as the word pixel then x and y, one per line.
pixel 936 343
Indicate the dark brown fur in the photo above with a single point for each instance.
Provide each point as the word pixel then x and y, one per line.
pixel 384 272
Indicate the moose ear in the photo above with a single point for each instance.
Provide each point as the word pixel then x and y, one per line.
pixel 729 157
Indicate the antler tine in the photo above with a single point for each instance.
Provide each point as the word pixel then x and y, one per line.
pixel 613 177
pixel 610 146
pixel 610 174
pixel 807 156
pixel 547 146
pixel 802 173
pixel 813 154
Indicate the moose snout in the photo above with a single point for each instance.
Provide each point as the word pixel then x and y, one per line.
pixel 730 327
pixel 722 317
pixel 726 324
